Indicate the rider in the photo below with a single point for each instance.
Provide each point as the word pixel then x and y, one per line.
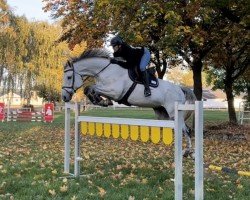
pixel 134 56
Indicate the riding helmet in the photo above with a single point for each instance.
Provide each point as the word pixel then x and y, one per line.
pixel 117 40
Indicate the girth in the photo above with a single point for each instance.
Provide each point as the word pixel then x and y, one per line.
pixel 124 99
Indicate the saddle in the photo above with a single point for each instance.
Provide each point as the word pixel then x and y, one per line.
pixel 136 76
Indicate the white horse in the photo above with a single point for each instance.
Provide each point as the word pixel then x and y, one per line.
pixel 113 82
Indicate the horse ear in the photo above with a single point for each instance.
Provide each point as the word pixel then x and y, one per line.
pixel 68 62
pixel 65 65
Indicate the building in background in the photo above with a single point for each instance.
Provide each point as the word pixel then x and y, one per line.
pixel 15 99
pixel 217 99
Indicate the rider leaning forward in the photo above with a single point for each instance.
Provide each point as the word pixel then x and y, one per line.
pixel 134 56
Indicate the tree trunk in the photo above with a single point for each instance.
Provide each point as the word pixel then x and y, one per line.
pixel 28 87
pixel 160 64
pixel 230 101
pixel 162 70
pixel 248 93
pixel 197 68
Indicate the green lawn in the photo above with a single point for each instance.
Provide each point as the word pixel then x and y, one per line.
pixel 31 164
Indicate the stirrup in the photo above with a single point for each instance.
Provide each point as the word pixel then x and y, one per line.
pixel 147 93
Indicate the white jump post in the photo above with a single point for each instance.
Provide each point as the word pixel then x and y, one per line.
pixel 179 111
pixel 77 158
pixel 199 185
pixel 68 107
pixel 67 137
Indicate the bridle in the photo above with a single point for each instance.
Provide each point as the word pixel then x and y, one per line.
pixel 71 68
pixel 71 65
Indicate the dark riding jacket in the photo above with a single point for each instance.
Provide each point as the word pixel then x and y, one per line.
pixel 132 55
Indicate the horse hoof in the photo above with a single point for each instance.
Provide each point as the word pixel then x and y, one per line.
pixel 186 153
pixel 192 155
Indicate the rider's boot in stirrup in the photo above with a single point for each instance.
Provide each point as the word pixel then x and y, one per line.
pixel 147 91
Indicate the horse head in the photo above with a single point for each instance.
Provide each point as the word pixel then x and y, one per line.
pixel 88 64
pixel 71 81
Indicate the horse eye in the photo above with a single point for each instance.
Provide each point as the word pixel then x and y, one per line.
pixel 69 77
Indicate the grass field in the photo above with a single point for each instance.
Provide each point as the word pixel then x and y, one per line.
pixel 31 164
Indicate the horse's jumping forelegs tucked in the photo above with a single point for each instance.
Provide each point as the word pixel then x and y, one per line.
pixel 96 98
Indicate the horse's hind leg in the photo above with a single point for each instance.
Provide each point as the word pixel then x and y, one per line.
pixel 161 113
pixel 188 150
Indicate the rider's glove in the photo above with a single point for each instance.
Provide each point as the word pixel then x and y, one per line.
pixel 118 60
pixel 114 61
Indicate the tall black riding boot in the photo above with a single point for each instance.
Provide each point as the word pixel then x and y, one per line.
pixel 147 91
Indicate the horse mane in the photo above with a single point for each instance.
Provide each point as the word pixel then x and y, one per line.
pixel 92 53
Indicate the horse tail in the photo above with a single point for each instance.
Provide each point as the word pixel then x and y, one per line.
pixel 190 99
pixel 189 95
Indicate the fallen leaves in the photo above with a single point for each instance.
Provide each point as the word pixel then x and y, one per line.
pixel 64 188
pixel 52 192
pixel 131 198
pixel 3 171
pixel 102 192
pixel 117 164
pixel 65 180
pixel 73 198
pixel 54 172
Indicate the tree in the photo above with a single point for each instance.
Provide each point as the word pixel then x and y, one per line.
pixel 170 29
pixel 19 48
pixel 48 94
pixel 49 60
pixel 32 59
pixel 4 14
pixel 79 21
pixel 185 76
pixel 9 53
pixel 134 20
pixel 230 60
pixel 4 21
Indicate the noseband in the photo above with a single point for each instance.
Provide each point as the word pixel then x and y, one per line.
pixel 71 65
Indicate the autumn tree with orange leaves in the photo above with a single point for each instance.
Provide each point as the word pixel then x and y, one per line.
pixel 176 29
pixel 32 59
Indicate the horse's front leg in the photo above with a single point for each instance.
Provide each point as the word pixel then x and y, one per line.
pixel 95 97
pixel 90 93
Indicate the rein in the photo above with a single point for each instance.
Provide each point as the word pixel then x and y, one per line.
pixel 70 63
pixel 94 75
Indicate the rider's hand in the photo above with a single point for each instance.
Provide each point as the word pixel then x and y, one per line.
pixel 118 60
pixel 114 61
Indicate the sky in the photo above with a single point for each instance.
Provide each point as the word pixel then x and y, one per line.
pixel 32 9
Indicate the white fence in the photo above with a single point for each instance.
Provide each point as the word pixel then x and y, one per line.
pixel 244 112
